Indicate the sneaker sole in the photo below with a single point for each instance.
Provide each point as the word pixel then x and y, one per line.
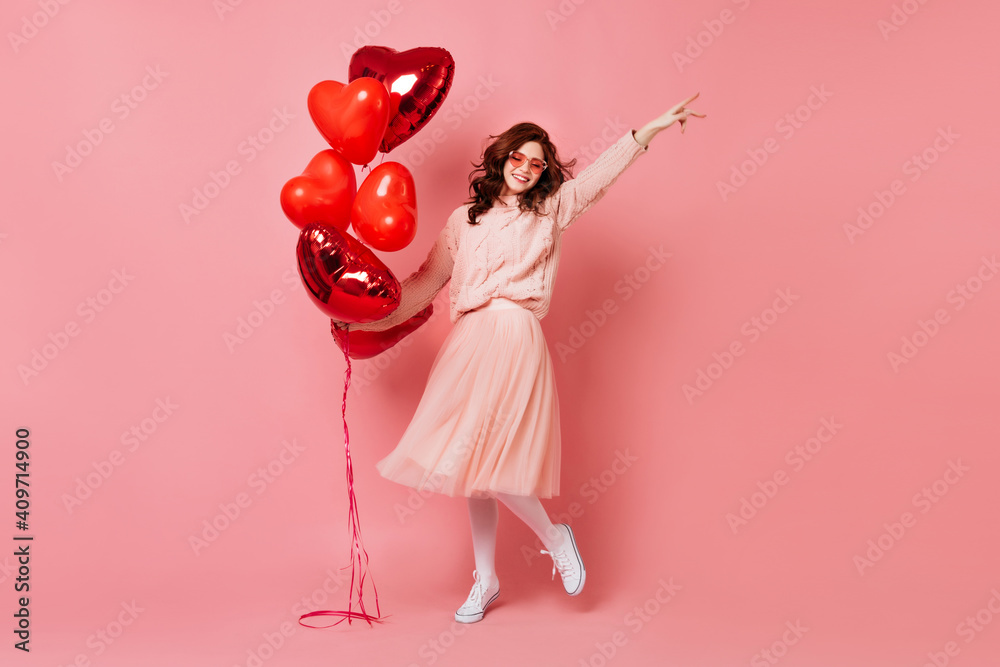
pixel 583 570
pixel 475 618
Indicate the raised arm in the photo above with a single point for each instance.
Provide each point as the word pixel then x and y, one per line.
pixel 420 288
pixel 575 196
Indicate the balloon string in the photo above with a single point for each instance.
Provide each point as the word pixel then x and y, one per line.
pixel 358 567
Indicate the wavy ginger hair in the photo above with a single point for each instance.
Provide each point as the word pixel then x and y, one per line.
pixel 485 188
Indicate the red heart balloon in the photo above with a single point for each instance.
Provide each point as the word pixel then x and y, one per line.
pixel 323 193
pixel 434 69
pixel 344 278
pixel 351 118
pixel 366 344
pixel 384 214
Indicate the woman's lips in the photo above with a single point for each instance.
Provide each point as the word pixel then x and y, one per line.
pixel 519 178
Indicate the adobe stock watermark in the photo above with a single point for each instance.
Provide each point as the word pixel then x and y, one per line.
pixel 102 639
pixel 786 126
pixel 626 286
pixel 779 647
pixel 248 149
pixel 612 131
pixel 899 17
pixel 131 441
pixel 269 645
pixel 365 34
pixel 635 620
pixel 261 312
pixel 753 329
pixel 32 24
pixel 426 143
pixel 434 481
pixel 561 12
pixel 915 166
pixel 796 458
pixel 373 367
pixel 926 330
pixel 59 340
pixel 592 490
pixel 968 629
pixel 703 39
pixel 924 500
pixel 258 482
pixel 121 108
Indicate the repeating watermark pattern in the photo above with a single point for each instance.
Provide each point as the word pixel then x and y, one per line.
pixel 968 629
pixel 786 126
pixel 131 440
pixel 796 457
pixel 224 7
pixel 59 340
pixel 926 330
pixel 915 166
pixel 899 17
pixel 270 644
pixel 366 33
pixel 229 511
pixel 612 131
pixel 32 24
pixel 591 491
pixel 779 647
pixel 426 143
pixel 924 500
pixel 248 149
pixel 753 329
pixel 262 311
pixel 635 620
pixel 318 598
pixel 703 39
pixel 561 12
pixel 121 108
pixel 626 286
pixel 435 481
pixel 101 640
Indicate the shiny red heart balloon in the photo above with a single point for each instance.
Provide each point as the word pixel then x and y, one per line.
pixel 351 118
pixel 367 344
pixel 344 278
pixel 384 214
pixel 433 69
pixel 323 193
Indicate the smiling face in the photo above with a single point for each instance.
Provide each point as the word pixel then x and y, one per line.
pixel 517 180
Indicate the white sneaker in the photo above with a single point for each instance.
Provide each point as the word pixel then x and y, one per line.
pixel 480 598
pixel 567 560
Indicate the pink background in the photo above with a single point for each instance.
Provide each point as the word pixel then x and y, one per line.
pixel 662 519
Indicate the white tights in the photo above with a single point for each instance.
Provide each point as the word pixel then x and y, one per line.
pixel 484 514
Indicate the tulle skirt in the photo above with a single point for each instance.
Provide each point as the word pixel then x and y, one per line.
pixel 488 420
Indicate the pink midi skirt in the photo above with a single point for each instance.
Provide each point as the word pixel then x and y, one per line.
pixel 488 420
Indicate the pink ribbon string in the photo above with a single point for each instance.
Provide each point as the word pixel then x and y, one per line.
pixel 359 556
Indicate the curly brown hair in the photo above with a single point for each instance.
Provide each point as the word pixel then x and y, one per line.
pixel 484 189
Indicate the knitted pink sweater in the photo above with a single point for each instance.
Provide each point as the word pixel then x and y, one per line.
pixel 510 253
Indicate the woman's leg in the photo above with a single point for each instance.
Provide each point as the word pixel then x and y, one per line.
pixel 529 510
pixel 483 515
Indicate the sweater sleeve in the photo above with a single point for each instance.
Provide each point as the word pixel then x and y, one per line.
pixel 575 196
pixel 420 288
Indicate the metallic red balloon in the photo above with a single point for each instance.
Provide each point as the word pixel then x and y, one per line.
pixel 323 193
pixel 384 213
pixel 351 118
pixel 366 344
pixel 344 278
pixel 434 69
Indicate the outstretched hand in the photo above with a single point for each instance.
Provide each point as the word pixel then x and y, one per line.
pixel 676 114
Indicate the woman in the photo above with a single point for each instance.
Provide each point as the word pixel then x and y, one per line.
pixel 487 425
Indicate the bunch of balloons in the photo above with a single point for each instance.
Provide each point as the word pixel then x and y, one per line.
pixel 389 97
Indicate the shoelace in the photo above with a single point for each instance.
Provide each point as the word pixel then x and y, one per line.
pixel 560 561
pixel 478 592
